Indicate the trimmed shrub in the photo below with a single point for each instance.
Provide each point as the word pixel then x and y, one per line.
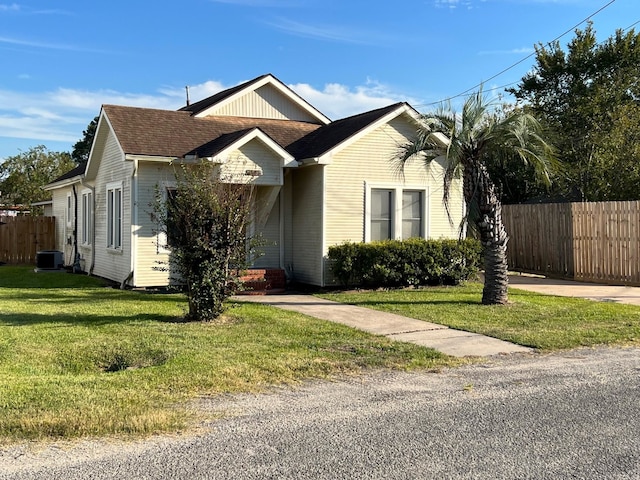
pixel 413 262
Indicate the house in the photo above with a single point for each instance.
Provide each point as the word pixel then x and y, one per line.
pixel 318 182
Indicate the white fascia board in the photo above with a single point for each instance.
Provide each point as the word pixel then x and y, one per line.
pixel 325 159
pixel 150 158
pixel 67 182
pixel 256 134
pixel 297 99
pixel 92 163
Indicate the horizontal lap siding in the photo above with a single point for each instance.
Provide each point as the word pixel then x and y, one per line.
pixel 372 160
pixel 270 235
pixel 265 102
pixel 114 265
pixel 63 232
pixel 254 156
pixel 151 258
pixel 306 214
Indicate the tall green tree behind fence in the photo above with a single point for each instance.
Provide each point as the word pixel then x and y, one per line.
pixel 21 238
pixel 595 242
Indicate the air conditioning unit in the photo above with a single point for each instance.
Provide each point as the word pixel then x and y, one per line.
pixel 49 260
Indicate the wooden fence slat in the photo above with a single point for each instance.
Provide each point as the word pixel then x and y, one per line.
pixel 21 237
pixel 596 242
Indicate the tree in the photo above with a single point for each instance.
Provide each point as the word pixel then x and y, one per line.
pixel 205 222
pixel 467 141
pixel 588 97
pixel 82 147
pixel 22 176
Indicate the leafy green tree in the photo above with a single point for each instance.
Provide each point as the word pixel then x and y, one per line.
pixel 205 222
pixel 82 147
pixel 588 99
pixel 466 141
pixel 22 176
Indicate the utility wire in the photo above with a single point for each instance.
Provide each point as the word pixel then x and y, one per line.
pixel 461 94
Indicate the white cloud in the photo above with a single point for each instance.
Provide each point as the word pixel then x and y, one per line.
pixel 14 7
pixel 338 101
pixel 335 33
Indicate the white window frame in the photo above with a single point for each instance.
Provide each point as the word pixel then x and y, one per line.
pixel 114 215
pixel 396 211
pixel 87 216
pixel 69 210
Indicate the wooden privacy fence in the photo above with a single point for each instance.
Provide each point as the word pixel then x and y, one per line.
pixel 594 242
pixel 22 237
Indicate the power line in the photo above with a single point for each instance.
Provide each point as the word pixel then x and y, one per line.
pixel 461 94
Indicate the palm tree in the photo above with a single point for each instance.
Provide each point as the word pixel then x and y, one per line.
pixel 467 142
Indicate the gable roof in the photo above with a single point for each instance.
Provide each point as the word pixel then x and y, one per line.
pixel 327 138
pixel 71 176
pixel 165 133
pixel 203 104
pixel 200 108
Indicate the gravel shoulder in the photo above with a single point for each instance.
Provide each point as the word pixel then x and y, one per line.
pixel 570 414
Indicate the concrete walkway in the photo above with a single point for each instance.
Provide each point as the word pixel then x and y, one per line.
pixel 452 342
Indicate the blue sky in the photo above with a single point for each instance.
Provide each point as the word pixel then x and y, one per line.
pixel 60 60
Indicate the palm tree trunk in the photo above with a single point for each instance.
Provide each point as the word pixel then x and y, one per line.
pixel 493 235
pixel 494 241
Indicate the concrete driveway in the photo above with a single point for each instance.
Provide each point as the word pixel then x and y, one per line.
pixel 568 288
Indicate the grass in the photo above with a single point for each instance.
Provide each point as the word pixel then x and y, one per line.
pixel 541 321
pixel 78 359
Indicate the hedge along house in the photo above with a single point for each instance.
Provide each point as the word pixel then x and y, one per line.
pixel 318 182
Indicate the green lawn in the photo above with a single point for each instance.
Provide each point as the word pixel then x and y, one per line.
pixel 80 359
pixel 540 321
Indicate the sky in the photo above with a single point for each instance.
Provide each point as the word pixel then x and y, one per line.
pixel 61 60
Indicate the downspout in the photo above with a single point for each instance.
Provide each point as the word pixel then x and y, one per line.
pixel 93 225
pixel 76 259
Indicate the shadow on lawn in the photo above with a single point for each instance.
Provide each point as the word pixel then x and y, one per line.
pixel 62 320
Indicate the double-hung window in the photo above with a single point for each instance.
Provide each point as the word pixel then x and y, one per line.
pixel 382 206
pixel 69 211
pixel 87 216
pixel 395 212
pixel 114 215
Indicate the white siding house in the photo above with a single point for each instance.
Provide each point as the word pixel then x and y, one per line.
pixel 318 182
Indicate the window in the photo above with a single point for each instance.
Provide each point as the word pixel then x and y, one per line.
pixel 69 210
pixel 395 213
pixel 114 215
pixel 87 218
pixel 381 210
pixel 171 202
pixel 412 213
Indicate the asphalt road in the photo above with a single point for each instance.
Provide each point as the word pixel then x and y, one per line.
pixel 568 415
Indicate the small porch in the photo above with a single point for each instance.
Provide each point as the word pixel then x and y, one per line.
pixel 263 281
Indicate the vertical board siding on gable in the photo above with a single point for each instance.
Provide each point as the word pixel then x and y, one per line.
pixel 372 160
pixel 306 216
pixel 151 258
pixel 113 168
pixel 265 102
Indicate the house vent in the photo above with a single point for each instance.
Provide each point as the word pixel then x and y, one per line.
pixel 49 260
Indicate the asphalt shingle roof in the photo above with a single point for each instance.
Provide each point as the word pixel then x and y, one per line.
pixel 166 133
pixel 144 131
